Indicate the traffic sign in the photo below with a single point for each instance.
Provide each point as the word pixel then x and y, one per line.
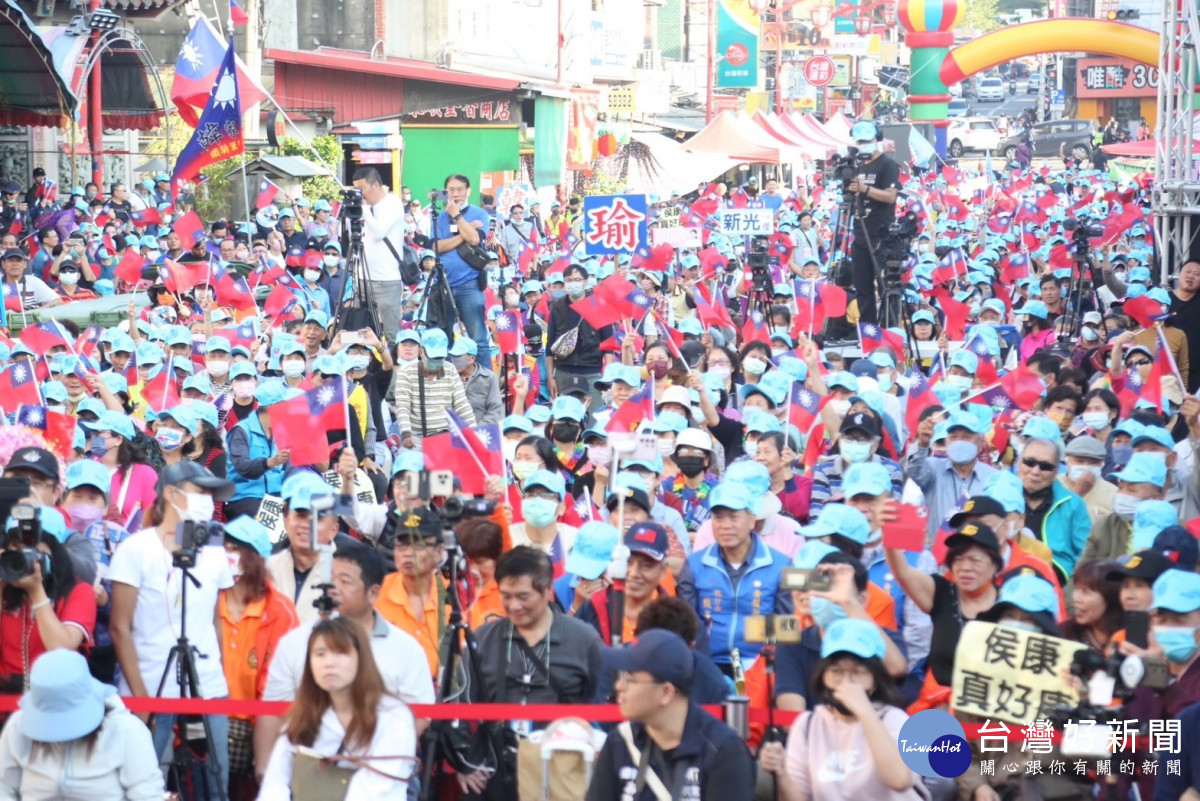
pixel 1058 99
pixel 818 71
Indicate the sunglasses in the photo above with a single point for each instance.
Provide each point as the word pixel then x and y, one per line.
pixel 1045 467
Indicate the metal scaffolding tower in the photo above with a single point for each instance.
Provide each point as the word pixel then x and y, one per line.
pixel 1176 199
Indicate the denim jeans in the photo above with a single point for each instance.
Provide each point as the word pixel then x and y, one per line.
pixel 469 299
pixel 164 740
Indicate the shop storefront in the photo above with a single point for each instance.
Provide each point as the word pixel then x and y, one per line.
pixel 1116 87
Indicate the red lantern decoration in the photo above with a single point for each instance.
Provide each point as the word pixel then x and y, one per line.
pixel 606 145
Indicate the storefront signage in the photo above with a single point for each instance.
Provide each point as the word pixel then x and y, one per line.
pixel 1115 77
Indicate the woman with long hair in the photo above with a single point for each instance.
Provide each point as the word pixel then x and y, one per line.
pixel 342 715
pixel 133 479
pixel 1096 605
pixel 855 724
pixel 71 727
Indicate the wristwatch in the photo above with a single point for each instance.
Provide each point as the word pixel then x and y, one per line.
pixel 457 217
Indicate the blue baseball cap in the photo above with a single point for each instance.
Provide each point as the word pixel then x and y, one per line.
pixel 464 346
pixel 200 383
pixel 205 412
pixel 1155 434
pixel 866 478
pixel 183 416
pixel 1177 591
pixel 1035 308
pixel 661 653
pixel 218 344
pixel 1041 428
pixel 924 316
pixel 300 488
pixel 435 343
pixel 852 636
pixel 329 364
pixel 843 379
pixel 516 422
pixel 1031 594
pixel 567 408
pixel 272 392
pixel 1150 518
pixel 1144 468
pixel 761 423
pixel 242 370
pixel 837 518
pixel 408 462
pixel 116 422
pixel 965 360
pixel 593 550
pixel 249 531
pixel 538 414
pixel 317 316
pixel 812 553
pixel 730 495
pixel 89 473
pixel 547 479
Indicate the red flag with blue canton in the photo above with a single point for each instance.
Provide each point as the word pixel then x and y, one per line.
pixel 805 404
pixel 88 340
pixel 58 428
pixel 509 331
pixel 140 218
pixel 197 68
pixel 920 397
pixel 161 391
pixel 12 298
pixel 19 385
pixel 237 15
pixel 484 440
pixel 40 338
pixel 179 278
pixel 873 337
pixel 189 226
pixel 218 134
pixel 633 412
pixel 266 193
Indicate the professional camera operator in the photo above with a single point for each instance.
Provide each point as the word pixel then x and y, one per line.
pixel 383 241
pixel 874 190
pixel 459 224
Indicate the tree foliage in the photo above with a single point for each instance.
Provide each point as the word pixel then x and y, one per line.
pixel 324 150
pixel 982 15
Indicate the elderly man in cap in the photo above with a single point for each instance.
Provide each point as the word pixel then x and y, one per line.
pixel 1143 479
pixel 669 741
pixel 34 291
pixel 1085 458
pixel 480 383
pixel 946 479
pixel 413 598
pixel 426 389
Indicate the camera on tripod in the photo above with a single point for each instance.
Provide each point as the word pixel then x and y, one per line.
pixel 17 564
pixel 1125 673
pixel 760 270
pixel 844 169
pixel 1082 228
pixel 352 204
pixel 191 536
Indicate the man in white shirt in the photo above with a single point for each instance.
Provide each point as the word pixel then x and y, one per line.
pixel 34 292
pixel 383 223
pixel 357 577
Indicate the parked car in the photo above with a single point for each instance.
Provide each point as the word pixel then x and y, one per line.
pixel 990 89
pixel 977 134
pixel 958 107
pixel 1035 81
pixel 1049 136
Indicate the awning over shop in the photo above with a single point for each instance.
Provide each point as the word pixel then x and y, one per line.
pixel 32 85
pixel 671 167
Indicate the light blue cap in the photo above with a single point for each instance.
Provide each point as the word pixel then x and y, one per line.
pixel 691 326
pixel 435 343
pixel 205 412
pixel 1144 468
pixel 866 478
pixel 751 474
pixel 843 379
pixel 1030 593
pixel 271 392
pixel 329 364
pixel 538 414
pixel 965 360
pixel 881 359
pixel 1177 591
pixel 516 422
pixel 301 487
pixel 924 316
pixel 464 346
pixel 793 367
pixel 837 518
pixel 182 415
pixel 761 423
pixel 812 553
pixel 567 408
pixel 1006 489
pixel 218 344
pixel 1035 308
pixel 861 638
pixel 593 550
pixel 317 316
pixel 116 422
pixel 1041 428
pixel 178 335
pixel 730 495
pixel 1155 434
pixel 547 479
pixel 967 421
pixel 668 422
pixel 248 531
pixel 242 370
pixel 93 405
pixel 54 391
pixel 408 462
pixel 89 473
pixel 1150 518
pixel 200 383
pixel 115 382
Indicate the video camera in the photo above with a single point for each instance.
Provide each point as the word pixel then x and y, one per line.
pixel 352 204
pixel 845 168
pixel 1120 675
pixel 1082 228
pixel 191 536
pixel 17 564
pixel 760 270
pixel 431 520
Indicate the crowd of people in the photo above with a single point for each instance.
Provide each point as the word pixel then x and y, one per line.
pixel 647 446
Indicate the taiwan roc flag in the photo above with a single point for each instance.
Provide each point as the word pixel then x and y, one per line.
pixel 218 133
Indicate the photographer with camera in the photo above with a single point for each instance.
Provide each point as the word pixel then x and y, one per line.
pixel 460 227
pixel 147 612
pixel 383 242
pixel 873 191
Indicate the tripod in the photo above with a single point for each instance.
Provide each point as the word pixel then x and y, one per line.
pixel 360 312
pixel 457 632
pixel 436 283
pixel 182 654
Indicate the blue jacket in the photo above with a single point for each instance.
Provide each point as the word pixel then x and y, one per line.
pixel 724 610
pixel 249 449
pixel 1065 528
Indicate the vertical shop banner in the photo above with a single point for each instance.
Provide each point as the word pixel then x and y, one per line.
pixel 614 224
pixel 737 44
pixel 846 24
pixel 581 131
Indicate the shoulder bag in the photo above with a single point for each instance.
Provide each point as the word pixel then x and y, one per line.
pixel 320 778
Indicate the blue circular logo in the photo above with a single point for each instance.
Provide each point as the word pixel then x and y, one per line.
pixel 932 743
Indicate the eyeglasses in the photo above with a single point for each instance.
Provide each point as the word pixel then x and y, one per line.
pixel 1045 467
pixel 545 496
pixel 719 363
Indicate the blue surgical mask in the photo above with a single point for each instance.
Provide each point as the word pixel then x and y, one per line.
pixel 962 451
pixel 1178 642
pixel 825 612
pixel 1121 454
pixel 886 383
pixel 98 448
pixel 539 512
pixel 959 382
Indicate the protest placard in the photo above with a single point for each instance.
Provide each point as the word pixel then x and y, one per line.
pixel 270 514
pixel 746 222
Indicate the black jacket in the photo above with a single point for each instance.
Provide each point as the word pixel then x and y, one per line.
pixel 587 356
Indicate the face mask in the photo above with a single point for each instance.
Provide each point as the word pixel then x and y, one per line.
pixel 600 455
pixel 960 382
pixel 854 452
pixel 169 439
pixel 962 451
pixel 539 512
pixel 98 448
pixel 754 366
pixel 244 390
pixel 218 368
pixel 312 276
pixel 1120 275
pixel 1021 625
pixel 886 383
pixel 1078 471
pixel 68 279
pixel 567 431
pixel 83 515
pixel 867 148
pixel 721 371
pixel 235 564
pixel 460 362
pixel 840 406
pixel 666 447
pixel 293 368
pixel 1090 334
pixel 1121 454
pixel 433 365
pixel 751 448
pixel 606 396
pixel 523 470
pixel 1178 642
pixel 777 352
pixel 691 466
pixel 360 362
pixel 1125 506
pixel 825 612
pixel 1097 421
pixel 576 288
pixel 402 363
pixel 331 261
pixel 198 509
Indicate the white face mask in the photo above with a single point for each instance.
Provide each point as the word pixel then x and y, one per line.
pixel 331 261
pixel 752 365
pixel 840 407
pixel 1078 471
pixel 219 367
pixel 68 279
pixel 244 389
pixel 312 276
pixel 751 448
pixel 293 368
pixel 509 448
pixel 666 447
pixel 199 507
pixel 600 455
pixel 867 148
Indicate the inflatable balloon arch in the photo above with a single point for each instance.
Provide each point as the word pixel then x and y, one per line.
pixel 936 65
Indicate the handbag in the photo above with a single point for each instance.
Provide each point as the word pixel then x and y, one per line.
pixel 474 255
pixel 565 344
pixel 320 778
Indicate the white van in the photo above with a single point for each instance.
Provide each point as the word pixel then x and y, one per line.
pixel 991 89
